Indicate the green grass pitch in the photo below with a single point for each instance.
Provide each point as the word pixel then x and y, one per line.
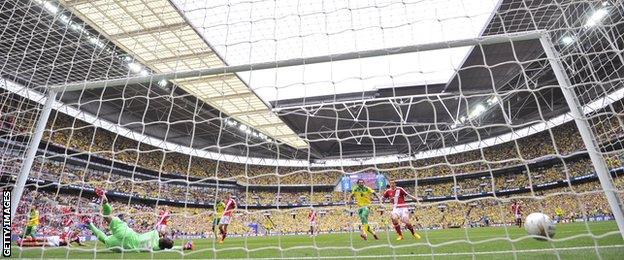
pixel 572 241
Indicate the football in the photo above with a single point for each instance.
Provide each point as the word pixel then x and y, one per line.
pixel 540 225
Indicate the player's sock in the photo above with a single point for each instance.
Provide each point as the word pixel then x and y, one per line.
pixel 223 235
pixel 397 228
pixel 410 228
pixel 370 230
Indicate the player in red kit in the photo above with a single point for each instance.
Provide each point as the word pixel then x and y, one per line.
pixel 70 233
pixel 72 236
pixel 68 218
pixel 516 210
pixel 163 221
pixel 68 236
pixel 400 212
pixel 230 207
pixel 312 219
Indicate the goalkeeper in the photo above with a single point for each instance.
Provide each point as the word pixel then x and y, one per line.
pixel 362 195
pixel 123 238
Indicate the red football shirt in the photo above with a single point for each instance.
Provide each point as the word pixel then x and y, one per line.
pixel 229 207
pixel 163 219
pixel 397 195
pixel 68 217
pixel 312 216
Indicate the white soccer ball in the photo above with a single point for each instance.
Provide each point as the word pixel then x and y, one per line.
pixel 539 224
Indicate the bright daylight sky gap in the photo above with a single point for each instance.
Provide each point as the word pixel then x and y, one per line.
pixel 268 30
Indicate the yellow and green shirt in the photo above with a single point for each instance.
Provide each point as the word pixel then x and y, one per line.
pixel 33 219
pixel 363 195
pixel 219 209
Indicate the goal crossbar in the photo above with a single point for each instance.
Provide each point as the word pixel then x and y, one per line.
pixel 485 40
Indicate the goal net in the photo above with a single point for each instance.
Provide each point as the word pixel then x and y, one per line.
pixel 295 129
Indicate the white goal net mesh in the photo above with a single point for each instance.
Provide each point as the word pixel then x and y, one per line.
pixel 173 107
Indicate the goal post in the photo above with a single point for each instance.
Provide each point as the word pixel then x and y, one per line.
pixel 31 151
pixel 602 170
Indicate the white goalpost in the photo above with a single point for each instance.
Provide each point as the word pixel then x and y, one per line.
pixel 602 170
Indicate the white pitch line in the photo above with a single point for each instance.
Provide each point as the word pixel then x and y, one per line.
pixel 452 254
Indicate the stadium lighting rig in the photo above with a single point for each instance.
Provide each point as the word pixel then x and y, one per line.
pixel 50 7
pixel 476 111
pixel 596 17
pixel 249 131
pixel 567 39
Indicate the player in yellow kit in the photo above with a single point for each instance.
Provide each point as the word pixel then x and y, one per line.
pixel 219 208
pixel 363 198
pixel 31 225
pixel 558 214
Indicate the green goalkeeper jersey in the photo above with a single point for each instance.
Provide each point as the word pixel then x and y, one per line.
pixel 149 241
pixel 126 238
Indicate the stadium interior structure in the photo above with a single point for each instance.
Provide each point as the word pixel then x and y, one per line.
pixel 467 129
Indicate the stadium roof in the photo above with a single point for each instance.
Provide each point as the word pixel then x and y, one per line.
pixel 244 32
pixel 403 120
pixel 156 34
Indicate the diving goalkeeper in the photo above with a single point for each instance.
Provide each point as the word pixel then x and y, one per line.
pixel 123 238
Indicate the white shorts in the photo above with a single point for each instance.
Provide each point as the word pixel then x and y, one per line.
pixel 53 241
pixel 161 228
pixel 401 213
pixel 313 223
pixel 66 229
pixel 518 216
pixel 225 220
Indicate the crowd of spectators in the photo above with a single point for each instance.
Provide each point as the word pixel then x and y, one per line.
pixel 17 117
pixel 74 134
pixel 578 202
pixel 142 186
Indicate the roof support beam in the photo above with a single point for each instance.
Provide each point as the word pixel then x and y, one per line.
pixel 286 135
pixel 230 96
pixel 181 57
pixel 269 125
pixel 76 2
pixel 487 40
pixel 251 112
pixel 159 29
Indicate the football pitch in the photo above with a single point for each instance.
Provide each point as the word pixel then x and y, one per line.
pixel 599 240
